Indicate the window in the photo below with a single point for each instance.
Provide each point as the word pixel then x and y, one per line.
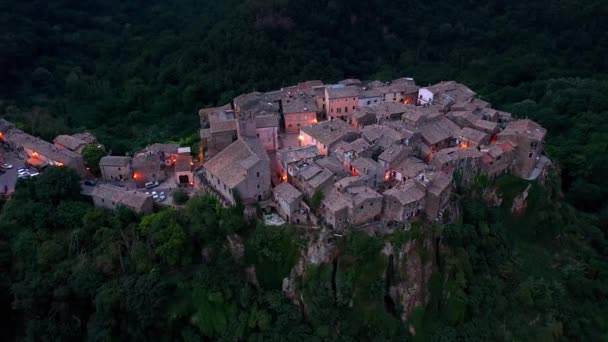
pixel 257 174
pixel 218 181
pixel 368 102
pixel 324 106
pixel 102 200
pixel 298 125
pixel 354 107
pixel 290 125
pixel 371 204
pixel 530 155
pixel 345 109
pixel 339 110
pixel 118 169
pixel 224 186
pixel 258 186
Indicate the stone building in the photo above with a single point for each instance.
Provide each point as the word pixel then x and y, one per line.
pixel 111 197
pixel 242 169
pixel 115 168
pixel 289 203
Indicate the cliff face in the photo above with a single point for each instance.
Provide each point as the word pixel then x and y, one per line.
pixel 409 271
pixel 320 249
pixel 405 271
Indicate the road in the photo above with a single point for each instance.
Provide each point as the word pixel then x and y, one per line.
pixel 9 178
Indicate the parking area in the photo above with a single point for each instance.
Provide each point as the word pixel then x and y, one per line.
pixel 8 179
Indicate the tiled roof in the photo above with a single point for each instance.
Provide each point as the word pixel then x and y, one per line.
pixel 232 163
pixel 69 142
pixel 328 132
pixel 406 192
pixel 117 161
pixel 338 93
pixel 287 192
pixel 128 198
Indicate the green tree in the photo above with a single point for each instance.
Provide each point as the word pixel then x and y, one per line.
pixel 92 154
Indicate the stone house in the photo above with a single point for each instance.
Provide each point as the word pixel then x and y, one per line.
pixel 289 203
pixel 351 206
pixel 528 137
pixel 341 102
pixel 438 188
pixel 405 169
pixel 288 159
pixel 326 134
pixel 219 129
pixel 115 168
pixel 148 167
pixel 242 169
pixel 465 161
pixel 111 197
pixel 445 94
pixel 183 170
pixel 69 142
pixel 404 201
pixel 468 137
pixel 371 169
pixel 439 133
pixel 497 159
pixel 299 110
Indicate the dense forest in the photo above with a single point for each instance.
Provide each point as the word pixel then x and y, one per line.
pixel 136 72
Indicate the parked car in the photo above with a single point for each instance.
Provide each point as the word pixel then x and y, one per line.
pixel 23 176
pixel 150 185
pixel 162 196
pixel 90 182
pixel 23 172
pixel 34 174
pixel 21 169
pixel 7 166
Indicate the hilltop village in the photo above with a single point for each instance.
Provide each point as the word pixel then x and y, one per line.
pixel 358 153
pixel 340 155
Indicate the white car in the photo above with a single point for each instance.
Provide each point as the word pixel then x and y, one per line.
pixel 23 172
pixel 23 175
pixel 150 185
pixel 162 196
pixel 7 166
pixel 34 174
pixel 21 169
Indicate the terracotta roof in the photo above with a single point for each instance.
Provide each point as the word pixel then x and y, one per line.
pixel 526 127
pixel 299 103
pixel 183 163
pixel 147 162
pixel 20 138
pixel 406 193
pixel 449 92
pixel 132 199
pixel 338 93
pixel 232 163
pixel 163 148
pixel 472 134
pixel 69 142
pixel 395 152
pixel 117 161
pixel 265 121
pixel 297 154
pixel 287 192
pixel 411 167
pixel 438 130
pixel 328 132
pixel 450 154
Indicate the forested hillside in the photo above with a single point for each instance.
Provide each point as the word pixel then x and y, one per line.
pixel 136 72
